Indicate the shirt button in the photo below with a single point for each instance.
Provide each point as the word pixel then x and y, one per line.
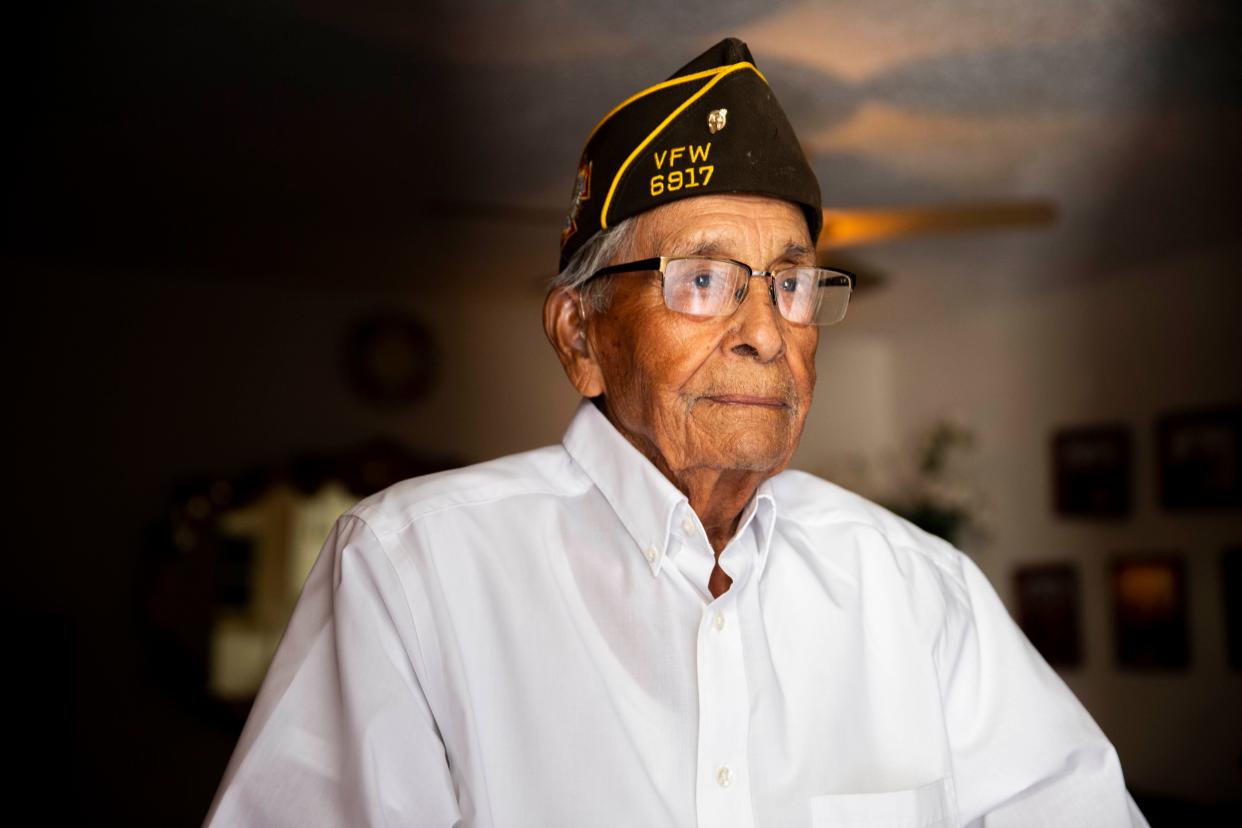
pixel 650 553
pixel 724 776
pixel 718 621
pixel 687 526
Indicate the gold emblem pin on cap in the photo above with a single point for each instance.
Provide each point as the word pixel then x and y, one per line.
pixel 716 120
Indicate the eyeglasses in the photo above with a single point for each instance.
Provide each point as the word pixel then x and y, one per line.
pixel 698 286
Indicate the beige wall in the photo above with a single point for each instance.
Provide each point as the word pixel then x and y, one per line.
pixel 1123 349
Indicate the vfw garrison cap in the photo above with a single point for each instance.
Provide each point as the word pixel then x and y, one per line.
pixel 713 127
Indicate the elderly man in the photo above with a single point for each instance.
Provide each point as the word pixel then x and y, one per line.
pixel 653 624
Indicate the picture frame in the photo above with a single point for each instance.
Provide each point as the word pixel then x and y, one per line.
pixel 1231 584
pixel 1048 601
pixel 1091 468
pixel 1150 612
pixel 1199 457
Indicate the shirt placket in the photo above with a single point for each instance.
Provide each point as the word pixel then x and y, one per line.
pixel 724 780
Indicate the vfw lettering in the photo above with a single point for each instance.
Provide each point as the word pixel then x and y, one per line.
pixel 681 168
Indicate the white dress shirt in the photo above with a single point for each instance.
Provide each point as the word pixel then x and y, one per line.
pixel 531 642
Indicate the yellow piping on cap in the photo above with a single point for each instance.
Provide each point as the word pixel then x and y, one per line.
pixel 719 72
pixel 665 85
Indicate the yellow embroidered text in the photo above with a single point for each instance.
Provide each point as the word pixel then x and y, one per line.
pixel 693 174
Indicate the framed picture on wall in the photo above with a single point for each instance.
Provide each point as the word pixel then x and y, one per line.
pixel 1048 599
pixel 1150 612
pixel 1231 571
pixel 1200 458
pixel 1091 471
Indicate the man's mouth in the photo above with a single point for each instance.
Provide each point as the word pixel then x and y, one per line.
pixel 750 399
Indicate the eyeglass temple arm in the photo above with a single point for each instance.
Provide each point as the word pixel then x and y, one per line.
pixel 627 267
pixel 853 280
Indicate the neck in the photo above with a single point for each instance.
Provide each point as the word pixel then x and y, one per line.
pixel 717 495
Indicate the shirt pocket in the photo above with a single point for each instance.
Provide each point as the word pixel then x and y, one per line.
pixel 924 807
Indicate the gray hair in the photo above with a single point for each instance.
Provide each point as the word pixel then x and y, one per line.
pixel 598 252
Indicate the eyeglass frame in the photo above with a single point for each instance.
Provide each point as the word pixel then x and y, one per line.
pixel 658 263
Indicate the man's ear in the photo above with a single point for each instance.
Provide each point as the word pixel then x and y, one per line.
pixel 565 325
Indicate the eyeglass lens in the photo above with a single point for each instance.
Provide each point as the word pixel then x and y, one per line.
pixel 710 287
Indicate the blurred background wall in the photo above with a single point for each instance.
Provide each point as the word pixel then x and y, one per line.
pixel 205 200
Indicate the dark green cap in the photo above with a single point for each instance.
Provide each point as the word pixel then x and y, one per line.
pixel 713 127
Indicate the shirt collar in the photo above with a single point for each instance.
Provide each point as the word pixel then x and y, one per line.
pixel 645 501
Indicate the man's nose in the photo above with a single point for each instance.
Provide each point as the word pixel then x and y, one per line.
pixel 758 328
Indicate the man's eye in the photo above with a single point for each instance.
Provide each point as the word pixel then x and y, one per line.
pixel 703 280
pixel 789 285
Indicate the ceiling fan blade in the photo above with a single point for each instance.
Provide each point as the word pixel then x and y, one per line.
pixel 855 228
pixel 870 277
pixel 843 227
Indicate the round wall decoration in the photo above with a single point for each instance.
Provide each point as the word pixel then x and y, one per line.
pixel 390 358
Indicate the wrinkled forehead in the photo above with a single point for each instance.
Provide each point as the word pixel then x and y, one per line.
pixel 742 227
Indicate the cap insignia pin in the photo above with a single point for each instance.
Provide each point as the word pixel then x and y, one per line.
pixel 716 120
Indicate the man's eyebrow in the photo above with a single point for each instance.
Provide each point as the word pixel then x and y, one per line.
pixel 699 247
pixel 794 252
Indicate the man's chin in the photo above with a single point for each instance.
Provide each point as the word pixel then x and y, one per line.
pixel 753 450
